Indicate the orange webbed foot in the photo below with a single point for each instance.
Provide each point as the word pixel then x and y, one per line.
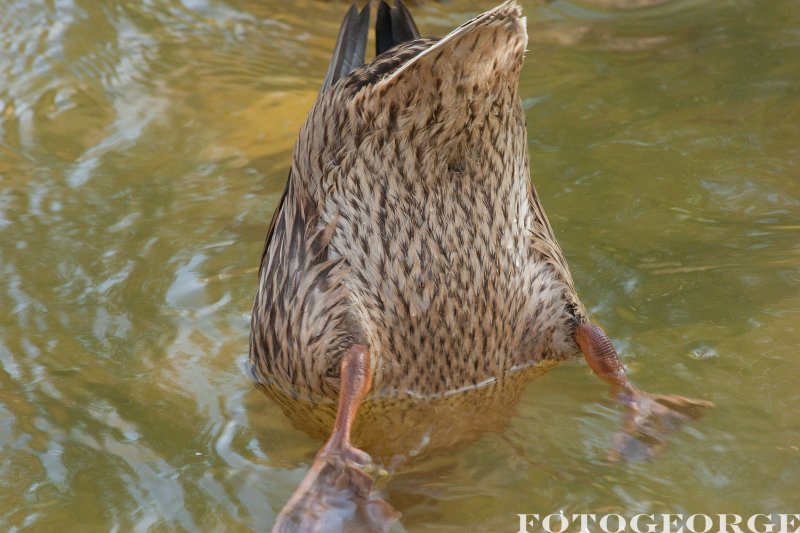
pixel 336 495
pixel 650 417
pixel 649 420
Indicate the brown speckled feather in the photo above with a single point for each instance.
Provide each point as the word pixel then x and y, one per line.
pixel 410 224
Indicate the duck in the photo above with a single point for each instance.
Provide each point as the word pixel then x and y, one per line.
pixel 409 256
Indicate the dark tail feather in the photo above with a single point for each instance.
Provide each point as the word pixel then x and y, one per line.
pixel 351 46
pixel 393 26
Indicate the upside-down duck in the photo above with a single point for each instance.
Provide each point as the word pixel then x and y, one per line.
pixel 409 255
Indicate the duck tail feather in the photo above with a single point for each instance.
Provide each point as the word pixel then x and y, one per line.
pixel 351 45
pixel 383 29
pixel 393 26
pixel 403 26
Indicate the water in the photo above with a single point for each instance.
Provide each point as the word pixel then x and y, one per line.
pixel 143 147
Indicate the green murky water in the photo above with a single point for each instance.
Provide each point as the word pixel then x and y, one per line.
pixel 143 146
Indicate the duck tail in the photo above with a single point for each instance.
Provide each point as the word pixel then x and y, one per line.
pixel 351 45
pixel 480 50
pixel 393 26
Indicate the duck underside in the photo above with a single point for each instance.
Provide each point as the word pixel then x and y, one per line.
pixel 448 292
pixel 410 225
pixel 444 283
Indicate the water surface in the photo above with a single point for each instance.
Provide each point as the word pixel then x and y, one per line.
pixel 144 145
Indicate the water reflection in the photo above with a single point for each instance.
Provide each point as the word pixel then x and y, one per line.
pixel 144 145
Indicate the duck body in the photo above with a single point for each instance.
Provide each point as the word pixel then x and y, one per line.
pixel 410 276
pixel 410 225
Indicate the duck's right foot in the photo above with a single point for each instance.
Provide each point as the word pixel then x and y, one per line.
pixel 650 417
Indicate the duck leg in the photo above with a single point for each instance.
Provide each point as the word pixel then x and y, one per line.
pixel 335 494
pixel 650 416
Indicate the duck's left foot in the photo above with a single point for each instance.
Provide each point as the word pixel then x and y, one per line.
pixel 648 421
pixel 650 417
pixel 335 495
